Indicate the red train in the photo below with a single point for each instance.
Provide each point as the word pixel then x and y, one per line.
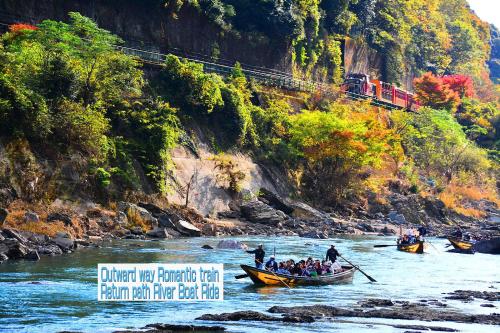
pixel 359 85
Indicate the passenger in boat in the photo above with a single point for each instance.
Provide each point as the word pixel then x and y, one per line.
pixel 326 268
pixel 289 264
pixel 259 256
pixel 404 240
pixel 271 264
pixel 282 269
pixel 303 269
pixel 318 268
pixel 336 267
pixel 295 269
pixel 332 254
pixel 309 262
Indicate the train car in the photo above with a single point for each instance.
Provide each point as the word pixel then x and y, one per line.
pixel 359 85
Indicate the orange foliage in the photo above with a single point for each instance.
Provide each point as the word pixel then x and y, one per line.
pixel 432 91
pixel 461 84
pixel 20 27
pixel 459 198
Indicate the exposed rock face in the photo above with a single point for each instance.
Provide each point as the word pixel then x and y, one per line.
pixel 401 310
pixel 209 229
pixel 3 215
pixel 469 295
pixel 134 213
pixel 187 228
pixel 231 244
pixel 288 207
pixel 158 233
pixel 65 218
pixel 255 316
pixel 164 328
pixel 65 244
pixel 259 212
pixel 306 212
pixel 491 246
pixel 30 216
pixel 275 201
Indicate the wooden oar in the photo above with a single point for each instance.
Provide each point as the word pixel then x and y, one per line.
pixel 385 245
pixel 241 276
pixel 275 275
pixel 359 269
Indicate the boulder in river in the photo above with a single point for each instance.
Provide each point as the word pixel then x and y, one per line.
pixel 158 233
pixel 490 246
pixel 13 249
pixel 186 228
pixel 209 229
pixel 32 255
pixel 137 214
pixel 66 244
pixel 231 244
pixel 259 212
pixel 162 328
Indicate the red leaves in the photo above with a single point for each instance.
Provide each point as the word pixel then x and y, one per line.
pixel 20 27
pixel 461 84
pixel 443 92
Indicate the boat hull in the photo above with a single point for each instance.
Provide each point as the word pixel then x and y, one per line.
pixel 263 277
pixel 461 244
pixel 417 247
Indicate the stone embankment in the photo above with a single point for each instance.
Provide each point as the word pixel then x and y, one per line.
pixel 267 214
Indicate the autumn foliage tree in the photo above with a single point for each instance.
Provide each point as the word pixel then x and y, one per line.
pixel 19 27
pixel 333 148
pixel 461 84
pixel 432 91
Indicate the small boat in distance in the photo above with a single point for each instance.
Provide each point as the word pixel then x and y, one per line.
pixel 461 244
pixel 264 277
pixel 417 247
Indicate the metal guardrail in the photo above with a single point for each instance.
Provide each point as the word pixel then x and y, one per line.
pixel 265 76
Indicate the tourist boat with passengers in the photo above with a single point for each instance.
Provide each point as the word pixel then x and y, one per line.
pixel 417 247
pixel 264 277
pixel 461 244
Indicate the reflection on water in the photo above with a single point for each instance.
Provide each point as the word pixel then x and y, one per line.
pixel 59 293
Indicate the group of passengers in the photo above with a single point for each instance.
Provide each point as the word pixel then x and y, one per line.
pixel 411 237
pixel 310 267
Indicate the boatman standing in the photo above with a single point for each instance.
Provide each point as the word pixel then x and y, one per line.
pixel 331 254
pixel 259 256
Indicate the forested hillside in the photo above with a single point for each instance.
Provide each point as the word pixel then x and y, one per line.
pixel 416 35
pixel 80 119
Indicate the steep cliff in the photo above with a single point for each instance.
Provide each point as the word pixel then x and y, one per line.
pixel 149 24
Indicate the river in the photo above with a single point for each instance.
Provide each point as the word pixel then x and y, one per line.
pixel 59 293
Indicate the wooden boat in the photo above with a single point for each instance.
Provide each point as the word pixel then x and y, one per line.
pixel 263 277
pixel 417 247
pixel 460 244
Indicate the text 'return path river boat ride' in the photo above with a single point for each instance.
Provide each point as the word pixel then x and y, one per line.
pixel 264 277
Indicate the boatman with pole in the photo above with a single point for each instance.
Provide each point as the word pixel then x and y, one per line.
pixel 332 254
pixel 259 256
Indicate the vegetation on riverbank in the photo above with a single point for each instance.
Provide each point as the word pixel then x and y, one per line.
pixel 79 118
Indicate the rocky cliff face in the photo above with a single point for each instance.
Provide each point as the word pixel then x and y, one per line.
pixel 147 24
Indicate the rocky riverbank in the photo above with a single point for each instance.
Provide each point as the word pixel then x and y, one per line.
pixel 64 226
pixel 424 310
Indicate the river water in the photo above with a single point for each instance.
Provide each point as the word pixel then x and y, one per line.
pixel 59 293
